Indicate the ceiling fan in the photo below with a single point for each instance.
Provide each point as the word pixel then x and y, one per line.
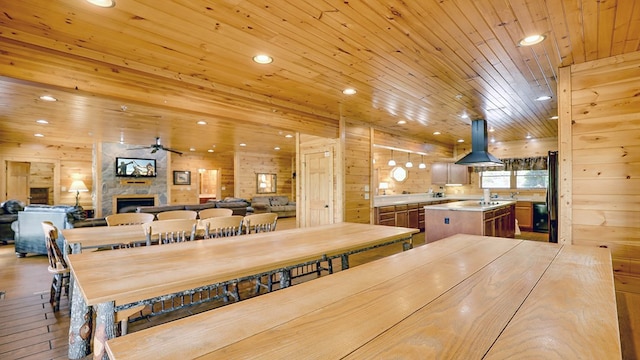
pixel 157 146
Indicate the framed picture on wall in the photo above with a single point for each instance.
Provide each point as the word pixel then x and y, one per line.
pixel 182 178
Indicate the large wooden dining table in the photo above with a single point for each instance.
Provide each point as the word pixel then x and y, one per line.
pixel 463 297
pixel 77 239
pixel 129 276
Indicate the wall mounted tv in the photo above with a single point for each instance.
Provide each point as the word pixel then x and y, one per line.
pixel 134 167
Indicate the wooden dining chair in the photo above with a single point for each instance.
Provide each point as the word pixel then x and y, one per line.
pixel 265 222
pixel 57 265
pixel 170 231
pixel 128 219
pixel 215 212
pixel 177 214
pixel 222 226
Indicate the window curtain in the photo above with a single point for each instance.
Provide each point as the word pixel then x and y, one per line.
pixel 514 164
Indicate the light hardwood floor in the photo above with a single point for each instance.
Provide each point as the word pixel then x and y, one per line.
pixel 29 329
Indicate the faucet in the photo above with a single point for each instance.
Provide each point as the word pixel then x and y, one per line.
pixel 513 194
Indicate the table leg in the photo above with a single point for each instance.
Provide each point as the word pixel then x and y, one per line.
pixel 105 329
pixel 345 261
pixel 285 279
pixel 80 325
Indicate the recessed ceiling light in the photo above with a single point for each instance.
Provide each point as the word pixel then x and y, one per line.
pixel 42 121
pixel 436 133
pixel 528 136
pixel 554 117
pixel 288 136
pixel 243 144
pixel 201 122
pixel 401 122
pixel 192 149
pixel 543 98
pixel 276 148
pixel 532 40
pixel 460 140
pixel 349 91
pixel 464 116
pixel 492 130
pixel 210 150
pixel 103 3
pixel 38 135
pixel 48 98
pixel 263 59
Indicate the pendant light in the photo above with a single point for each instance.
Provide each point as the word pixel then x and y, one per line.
pixel 409 164
pixel 391 162
pixel 422 164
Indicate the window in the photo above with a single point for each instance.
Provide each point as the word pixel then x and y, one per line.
pixel 527 173
pixel 495 179
pixel 531 179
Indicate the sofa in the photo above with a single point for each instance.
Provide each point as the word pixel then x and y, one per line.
pixel 29 237
pixel 279 204
pixel 239 207
pixel 8 214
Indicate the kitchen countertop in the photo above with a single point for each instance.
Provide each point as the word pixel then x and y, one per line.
pixel 387 200
pixel 471 205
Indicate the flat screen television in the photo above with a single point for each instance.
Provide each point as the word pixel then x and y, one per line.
pixel 135 167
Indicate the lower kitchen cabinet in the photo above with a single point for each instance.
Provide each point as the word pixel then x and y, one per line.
pixel 524 214
pixel 402 216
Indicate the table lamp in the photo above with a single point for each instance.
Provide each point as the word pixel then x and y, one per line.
pixel 78 186
pixel 384 186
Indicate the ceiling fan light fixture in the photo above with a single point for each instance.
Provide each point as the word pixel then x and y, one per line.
pixel 103 3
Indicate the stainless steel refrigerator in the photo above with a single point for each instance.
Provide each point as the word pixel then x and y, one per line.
pixel 552 195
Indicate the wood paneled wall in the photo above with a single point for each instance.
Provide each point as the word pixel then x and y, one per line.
pixel 600 158
pixel 357 149
pixel 189 194
pixel 250 164
pixel 69 163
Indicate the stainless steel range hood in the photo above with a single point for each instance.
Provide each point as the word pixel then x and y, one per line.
pixel 479 155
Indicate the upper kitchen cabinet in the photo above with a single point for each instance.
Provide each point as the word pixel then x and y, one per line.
pixel 449 173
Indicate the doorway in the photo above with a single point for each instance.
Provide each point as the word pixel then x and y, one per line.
pixel 209 181
pixel 30 182
pixel 318 171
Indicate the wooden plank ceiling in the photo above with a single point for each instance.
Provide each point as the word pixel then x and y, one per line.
pixel 147 68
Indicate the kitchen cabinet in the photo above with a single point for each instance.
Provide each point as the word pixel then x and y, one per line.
pixel 524 214
pixel 413 215
pixel 402 216
pixel 449 173
pixel 500 222
pixel 386 215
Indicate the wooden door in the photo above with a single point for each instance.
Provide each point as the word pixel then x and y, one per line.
pixel 18 181
pixel 319 190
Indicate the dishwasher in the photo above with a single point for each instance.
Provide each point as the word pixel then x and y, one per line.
pixel 540 218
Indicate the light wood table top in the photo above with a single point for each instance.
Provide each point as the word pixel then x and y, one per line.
pixel 99 236
pixel 149 271
pixel 464 297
